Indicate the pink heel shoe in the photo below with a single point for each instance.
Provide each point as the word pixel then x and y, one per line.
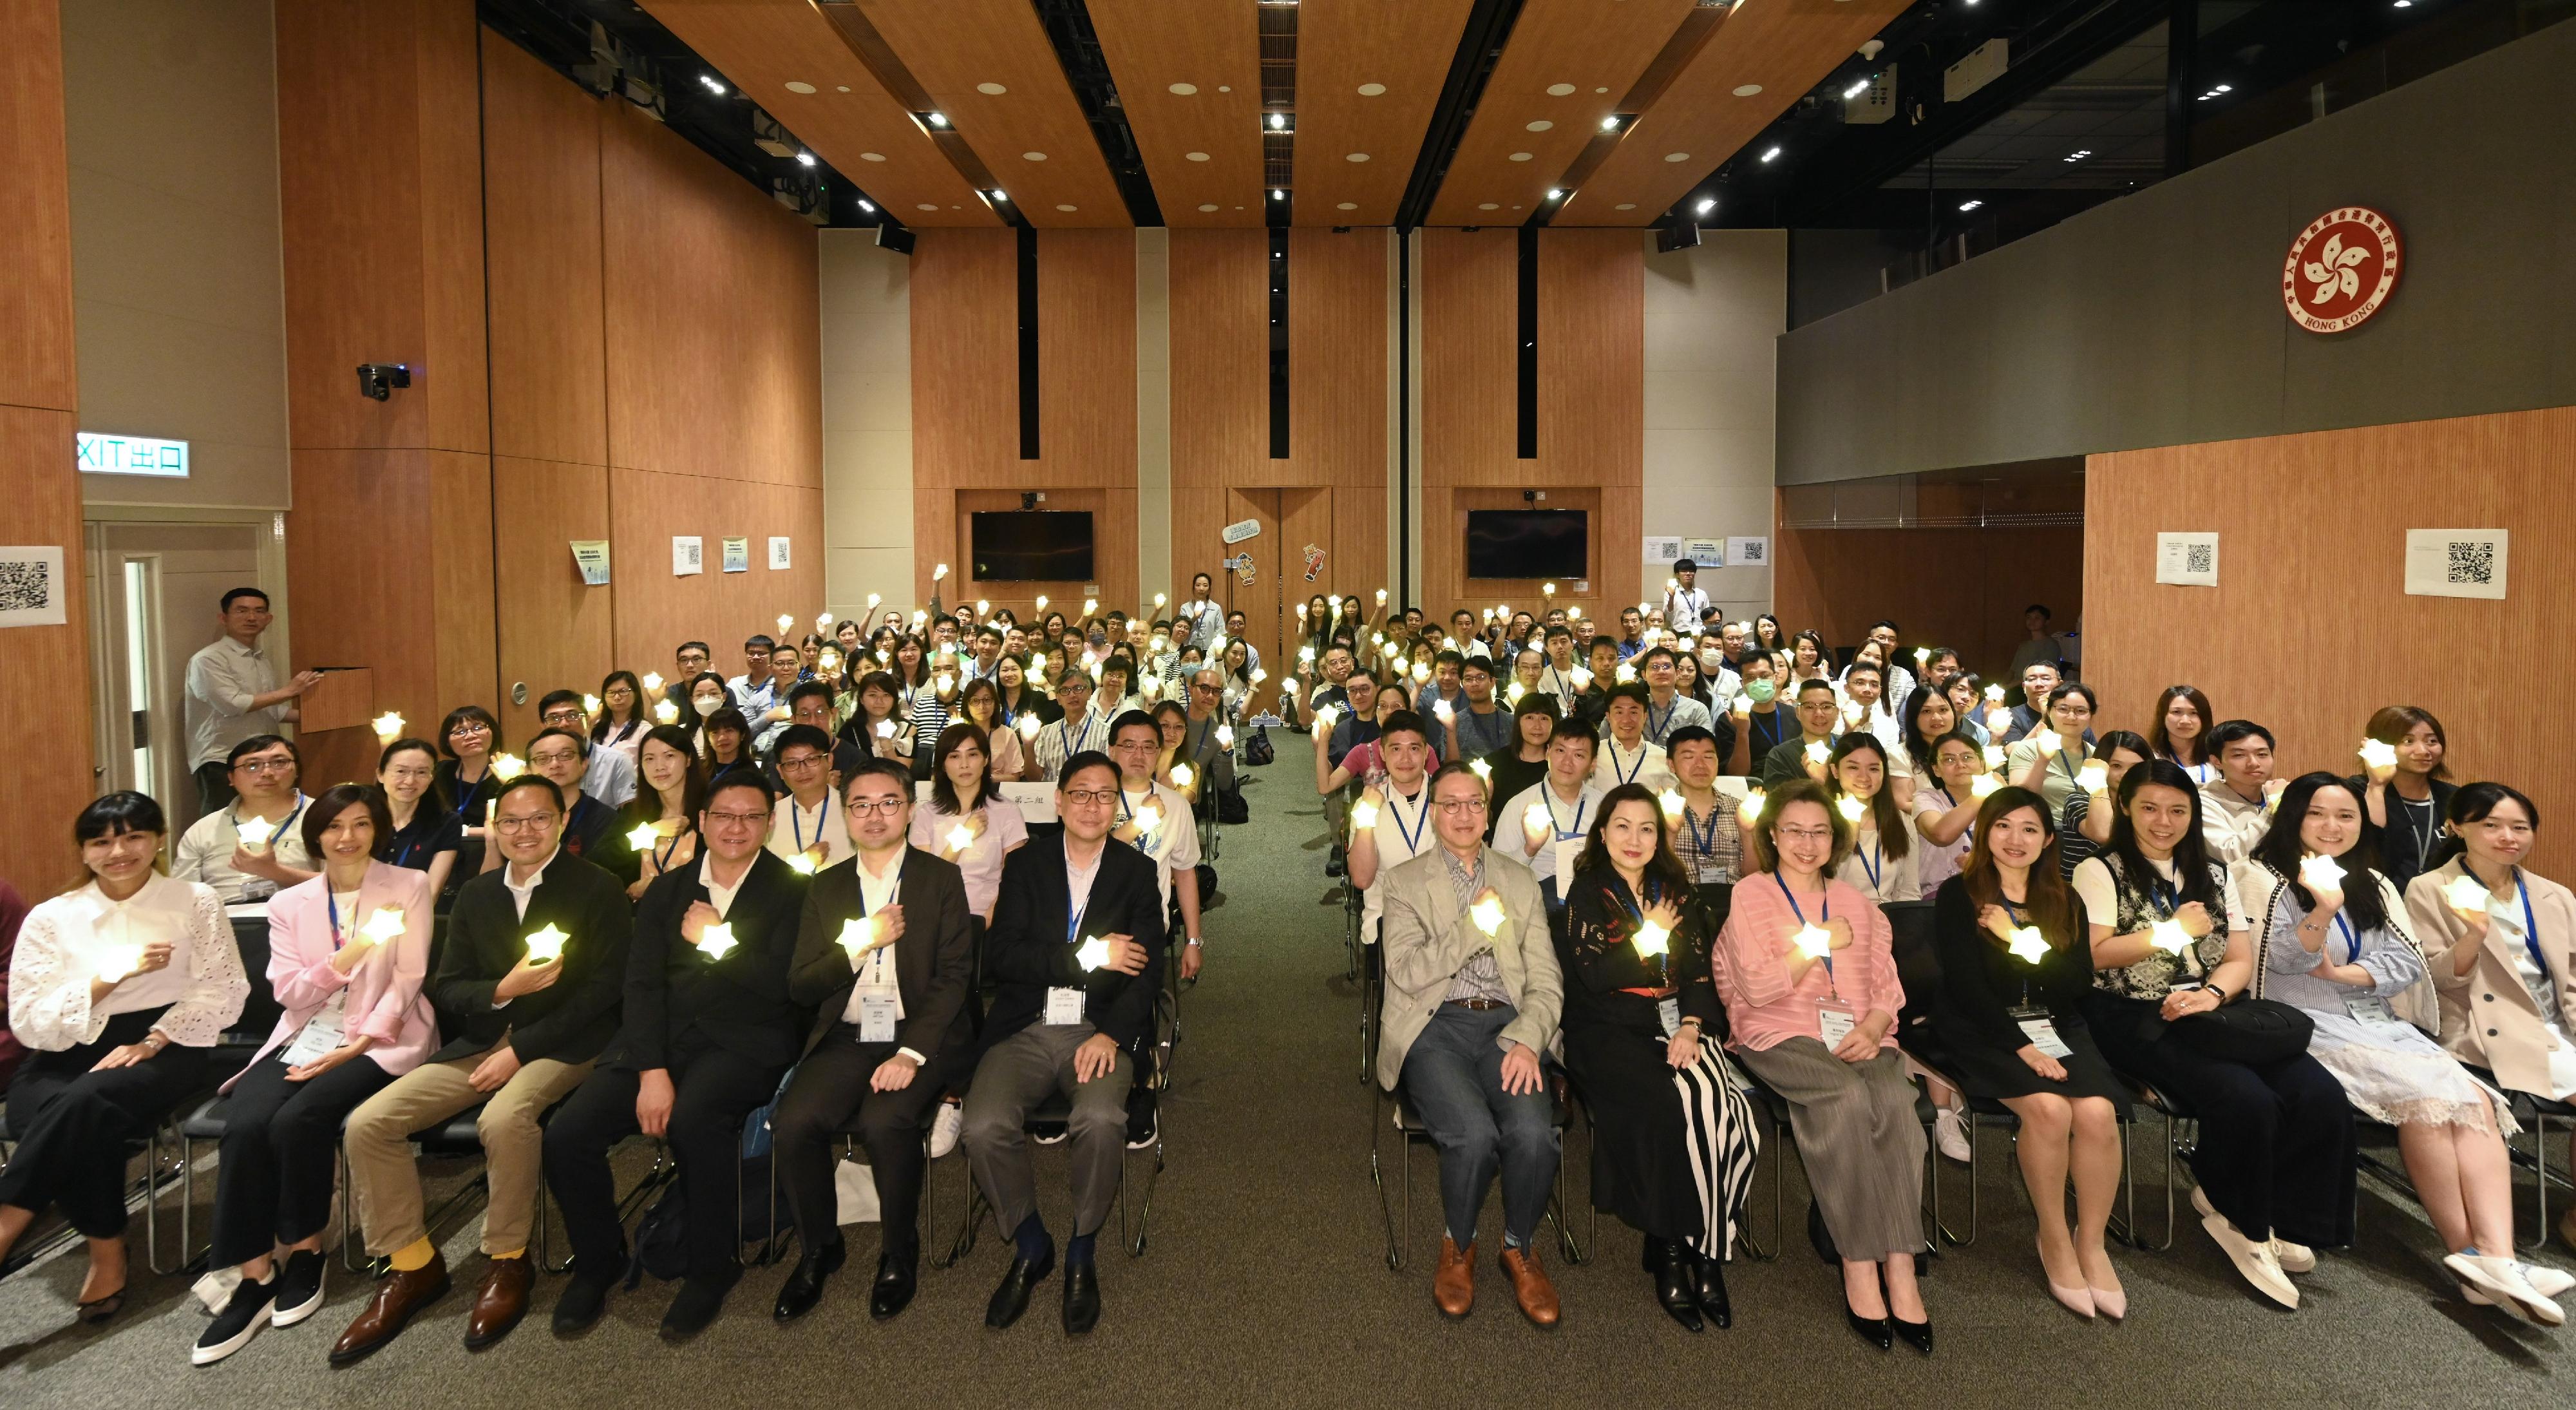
pixel 2111 1302
pixel 2078 1299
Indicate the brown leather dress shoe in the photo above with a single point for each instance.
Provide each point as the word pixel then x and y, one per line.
pixel 1530 1286
pixel 1453 1283
pixel 500 1302
pixel 398 1296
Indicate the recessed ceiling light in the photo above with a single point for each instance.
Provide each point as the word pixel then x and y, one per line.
pixel 1032 156
pixel 1347 206
pixel 1970 205
pixel 1207 207
pixel 871 156
pixel 1766 156
pixel 936 119
pixel 1554 194
pixel 1487 206
pixel 867 205
pixel 1747 90
pixel 927 206
pixel 1196 156
pixel 840 88
pixel 1278 122
pixel 798 85
pixel 1068 208
pixel 1371 90
pixel 1225 88
pixel 1706 204
pixel 1559 90
pixel 714 87
pixel 992 88
pixel 1610 123
pixel 804 158
pixel 1520 156
pixel 999 195
pixel 1356 157
pixel 1185 89
pixel 1676 156
pixel 1541 125
pixel 1278 195
pixel 1627 205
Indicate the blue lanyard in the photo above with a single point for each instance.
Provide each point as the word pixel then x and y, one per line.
pixel 1867 865
pixel 1704 844
pixel 1065 737
pixel 1639 767
pixel 1655 729
pixel 1074 914
pixel 796 822
pixel 2530 923
pixel 1413 838
pixel 1549 800
pixel 465 800
pixel 662 854
pixel 2344 924
pixel 1825 911
pixel 284 827
pixel 331 899
pixel 2069 763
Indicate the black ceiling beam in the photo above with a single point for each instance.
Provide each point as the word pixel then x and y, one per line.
pixel 1489 25
pixel 1086 70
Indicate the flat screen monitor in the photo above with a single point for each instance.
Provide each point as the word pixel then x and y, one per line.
pixel 1032 546
pixel 1528 543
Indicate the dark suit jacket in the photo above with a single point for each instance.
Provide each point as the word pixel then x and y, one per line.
pixel 1213 760
pixel 1026 948
pixel 569 1020
pixel 934 962
pixel 738 1003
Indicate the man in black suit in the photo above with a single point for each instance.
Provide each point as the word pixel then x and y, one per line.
pixel 884 956
pixel 1077 944
pixel 527 992
pixel 708 1031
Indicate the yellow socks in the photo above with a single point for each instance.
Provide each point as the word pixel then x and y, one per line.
pixel 414 1256
pixel 514 1253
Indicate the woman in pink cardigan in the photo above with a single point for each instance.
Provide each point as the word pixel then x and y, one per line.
pixel 1808 974
pixel 347 953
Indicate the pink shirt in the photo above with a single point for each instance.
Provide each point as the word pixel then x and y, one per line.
pixel 384 999
pixel 1750 963
pixel 981 862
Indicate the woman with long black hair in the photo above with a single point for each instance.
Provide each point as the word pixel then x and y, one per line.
pixel 469 737
pixel 660 823
pixel 2180 732
pixel 2406 791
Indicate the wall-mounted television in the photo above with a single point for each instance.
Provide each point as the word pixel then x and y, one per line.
pixel 1032 546
pixel 1528 543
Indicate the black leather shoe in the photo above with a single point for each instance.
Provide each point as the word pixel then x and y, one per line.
pixel 1917 1335
pixel 694 1307
pixel 1869 1329
pixel 1822 1237
pixel 805 1285
pixel 585 1296
pixel 894 1285
pixel 1708 1289
pixel 1012 1297
pixel 1081 1298
pixel 1673 1285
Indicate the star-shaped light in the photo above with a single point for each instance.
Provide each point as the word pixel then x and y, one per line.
pixel 1148 817
pixel 801 863
pixel 1421 672
pixel 1813 941
pixel 642 837
pixel 858 934
pixel 666 713
pixel 383 924
pixel 1090 606
pixel 2094 776
pixel 1225 736
pixel 506 767
pixel 1381 597
pixel 1582 678
pixel 1325 715
pixel 786 623
pixel 1545 590
pixel 1091 954
pixel 959 839
pixel 1852 809
pixel 1998 720
pixel 255 832
pixel 1670 800
pixel 2467 894
pixel 389 725
pixel 1626 674
pixel 945 683
pixel 2321 873
pixel 547 944
pixel 1181 775
pixel 885 729
pixel 1535 820
pixel 1306 654
pixel 1481 769
pixel 2169 936
pixel 1652 939
pixel 829 661
pixel 2028 945
pixel 1440 707
pixel 939 572
pixel 1819 751
pixel 1995 757
pixel 1028 726
pixel 1983 786
pixel 1487 912
pixel 1742 704
pixel 1749 811
pixel 1363 815
pixel 822 621
pixel 1994 695
pixel 2377 754
pixel 1512 696
pixel 715 940
pixel 1259 675
pixel 2045 743
pixel 590 704
pixel 1852 715
pixel 652 681
pixel 118 961
pixel 982 606
pixel 876 597
pixel 1922 654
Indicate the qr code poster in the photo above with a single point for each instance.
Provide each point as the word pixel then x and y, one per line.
pixel 2188 560
pixel 2455 563
pixel 32 587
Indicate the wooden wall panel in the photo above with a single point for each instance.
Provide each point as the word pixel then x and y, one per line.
pixel 35 214
pixel 714 342
pixel 1592 366
pixel 1337 372
pixel 965 377
pixel 1220 319
pixel 542 212
pixel 656 611
pixel 1962 588
pixel 554 632
pixel 466 641
pixel 361 565
pixel 1086 362
pixel 451 221
pixel 2310 628
pixel 1470 379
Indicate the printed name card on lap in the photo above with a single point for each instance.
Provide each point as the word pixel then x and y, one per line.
pixel 320 1035
pixel 1834 1022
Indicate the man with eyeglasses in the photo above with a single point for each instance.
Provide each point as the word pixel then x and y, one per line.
pixel 805 825
pixel 606 774
pixel 589 823
pixel 755 673
pixel 527 989
pixel 1819 718
pixel 689 662
pixel 1157 821
pixel 707 1031
pixel 1199 746
pixel 1079 732
pixel 1077 946
pixel 884 957
pixel 810 703
pixel 767 709
pixel 1472 996
pixel 1667 709
pixel 261 771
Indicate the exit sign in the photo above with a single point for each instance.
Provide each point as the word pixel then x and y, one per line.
pixel 100 454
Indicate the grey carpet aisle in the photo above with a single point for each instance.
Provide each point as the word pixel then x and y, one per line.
pixel 1264 1285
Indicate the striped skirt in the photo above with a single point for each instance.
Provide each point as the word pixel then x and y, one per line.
pixel 1673 1148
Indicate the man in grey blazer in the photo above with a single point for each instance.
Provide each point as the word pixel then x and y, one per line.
pixel 1472 995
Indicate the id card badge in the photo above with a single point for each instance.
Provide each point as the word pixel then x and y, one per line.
pixel 1834 1022
pixel 1063 1006
pixel 2367 1007
pixel 876 1014
pixel 2041 1029
pixel 1669 1013
pixel 321 1033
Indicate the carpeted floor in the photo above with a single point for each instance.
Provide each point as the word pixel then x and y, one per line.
pixel 1264 1282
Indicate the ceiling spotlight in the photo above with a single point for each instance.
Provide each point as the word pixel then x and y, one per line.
pixel 1766 156
pixel 714 87
pixel 1279 195
pixel 1706 204
pixel 867 205
pixel 1965 206
pixel 935 119
pixel 1555 194
pixel 2079 154
pixel 998 194
pixel 1856 90
pixel 1278 122
pixel 1610 123
pixel 804 158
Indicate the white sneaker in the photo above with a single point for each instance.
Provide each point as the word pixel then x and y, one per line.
pixel 2548 1282
pixel 2294 1258
pixel 2253 1261
pixel 945 1127
pixel 1950 1135
pixel 2501 1280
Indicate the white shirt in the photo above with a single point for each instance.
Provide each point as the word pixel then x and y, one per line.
pixel 2504 918
pixel 1685 609
pixel 1573 822
pixel 519 891
pixel 1403 832
pixel 222 678
pixel 2100 893
pixel 610 775
pixel 68 940
pixel 1173 845
pixel 794 827
pixel 205 854
pixel 877 972
pixel 1644 764
pixel 719 896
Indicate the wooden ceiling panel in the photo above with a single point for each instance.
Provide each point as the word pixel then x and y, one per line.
pixel 848 117
pixel 1031 135
pixel 1401 47
pixel 1564 69
pixel 1189 78
pixel 1778 48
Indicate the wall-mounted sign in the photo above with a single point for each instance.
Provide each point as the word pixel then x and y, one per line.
pixel 1240 530
pixel 591 556
pixel 33 592
pixel 779 552
pixel 2455 563
pixel 98 454
pixel 2340 269
pixel 737 555
pixel 2187 560
pixel 1314 561
pixel 1748 552
pixel 688 555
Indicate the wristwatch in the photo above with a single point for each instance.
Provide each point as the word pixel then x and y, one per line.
pixel 1196 944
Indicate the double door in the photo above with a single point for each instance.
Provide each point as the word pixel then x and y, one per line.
pixel 1296 527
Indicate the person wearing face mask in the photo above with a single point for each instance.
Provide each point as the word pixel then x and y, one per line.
pixel 118 991
pixel 2236 806
pixel 2337 945
pixel 2049 761
pixel 348 954
pixel 1761 724
pixel 1807 970
pixel 2407 797
pixel 1676 1141
pixel 707 694
pixel 2171 942
pixel 1805 756
pixel 2009 1023
pixel 2503 962
pixel 1881 861
pixel 421 833
pixel 2082 828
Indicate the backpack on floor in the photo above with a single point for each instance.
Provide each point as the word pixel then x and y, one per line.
pixel 661 1240
pixel 1258 749
pixel 1230 807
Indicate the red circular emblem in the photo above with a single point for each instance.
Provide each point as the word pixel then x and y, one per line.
pixel 2340 269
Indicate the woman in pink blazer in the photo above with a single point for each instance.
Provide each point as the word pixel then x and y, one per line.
pixel 347 953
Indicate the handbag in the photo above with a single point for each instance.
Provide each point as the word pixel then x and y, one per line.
pixel 1258 750
pixel 2252 1031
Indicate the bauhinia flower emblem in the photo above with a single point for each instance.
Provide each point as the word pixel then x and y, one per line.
pixel 2332 272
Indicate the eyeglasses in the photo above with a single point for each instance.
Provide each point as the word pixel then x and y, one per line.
pixel 1804 834
pixel 266 766
pixel 537 820
pixel 554 757
pixel 561 717
pixel 740 819
pixel 866 806
pixel 1455 806
pixel 1099 797
pixel 801 761
pixel 470 727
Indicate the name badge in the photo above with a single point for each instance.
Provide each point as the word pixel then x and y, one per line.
pixel 1834 1022
pixel 876 1015
pixel 1063 1006
pixel 1669 1013
pixel 321 1034
pixel 2366 1007
pixel 2037 1026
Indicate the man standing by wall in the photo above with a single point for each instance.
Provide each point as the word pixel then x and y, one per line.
pixel 233 694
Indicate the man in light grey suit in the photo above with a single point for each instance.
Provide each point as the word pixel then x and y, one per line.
pixel 1472 995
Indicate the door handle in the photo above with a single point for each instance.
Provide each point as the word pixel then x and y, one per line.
pixel 142 729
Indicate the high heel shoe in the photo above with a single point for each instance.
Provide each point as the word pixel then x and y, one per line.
pixel 1673 1285
pixel 2110 1302
pixel 2078 1299
pixel 1917 1335
pixel 1873 1330
pixel 102 1309
pixel 1708 1288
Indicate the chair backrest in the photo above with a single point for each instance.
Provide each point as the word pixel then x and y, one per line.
pixel 1918 961
pixel 260 1010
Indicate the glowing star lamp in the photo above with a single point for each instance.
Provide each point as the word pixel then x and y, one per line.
pixel 1259 675
pixel 383 924
pixel 1091 954
pixel 1535 821
pixel 1512 697
pixel 2028 945
pixel 1547 590
pixel 590 704
pixel 546 946
pixel 1750 810
pixel 642 837
pixel 1325 715
pixel 959 839
pixel 2467 894
pixel 1306 654
pixel 786 623
pixel 666 713
pixel 2169 936
pixel 1042 602
pixel 1994 695
pixel 876 597
pixel 1582 677
pixel 1625 674
pixel 885 729
pixel 982 606
pixel 859 934
pixel 1671 802
pixel 822 621
pixel 1148 818
pixel 2321 874
pixel 506 767
pixel 1440 707
pixel 1813 941
pixel 119 962
pixel 1381 597
pixel 1922 654
pixel 1481 769
pixel 715 940
pixel 1225 736
pixel 2093 777
pixel 939 572
pixel 2378 755
pixel 1994 756
pixel 389 726
pixel 1983 786
pixel 1160 599
pixel 652 682
pixel 255 833
pixel 1851 715
pixel 801 863
pixel 1090 606
pixel 1363 815
pixel 1852 809
pixel 1487 913
pixel 1741 705
pixel 2046 742
pixel 1181 775
pixel 1652 939
pixel 1028 726
pixel 1421 672
pixel 1819 751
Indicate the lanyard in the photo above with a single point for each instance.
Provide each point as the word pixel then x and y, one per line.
pixel 2422 837
pixel 2068 763
pixel 662 854
pixel 1549 799
pixel 1412 837
pixel 1825 911
pixel 894 889
pixel 2343 923
pixel 2530 923
pixel 1655 728
pixel 331 899
pixel 1074 914
pixel 1065 737
pixel 465 800
pixel 1870 865
pixel 1629 774
pixel 1705 844
pixel 796 820
pixel 284 827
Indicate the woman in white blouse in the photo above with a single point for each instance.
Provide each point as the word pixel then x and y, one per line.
pixel 1884 851
pixel 118 991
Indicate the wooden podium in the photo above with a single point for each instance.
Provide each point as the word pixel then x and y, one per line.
pixel 344 700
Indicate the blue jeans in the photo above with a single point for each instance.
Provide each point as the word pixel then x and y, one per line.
pixel 1453 1075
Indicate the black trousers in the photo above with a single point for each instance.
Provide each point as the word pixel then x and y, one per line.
pixel 273 1187
pixel 712 1092
pixel 831 1085
pixel 73 1124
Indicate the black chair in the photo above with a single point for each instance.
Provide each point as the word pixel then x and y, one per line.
pixel 1410 1131
pixel 158 1172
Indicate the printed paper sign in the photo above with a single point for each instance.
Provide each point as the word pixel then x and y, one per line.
pixel 2455 563
pixel 1748 553
pixel 32 590
pixel 1314 562
pixel 2187 560
pixel 778 552
pixel 591 556
pixel 1705 553
pixel 688 556
pixel 737 555
pixel 1665 551
pixel 1240 530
